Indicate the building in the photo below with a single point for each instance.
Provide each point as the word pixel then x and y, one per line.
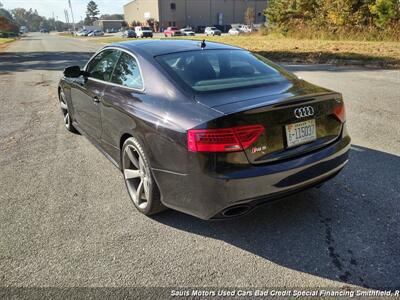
pixel 108 24
pixel 194 13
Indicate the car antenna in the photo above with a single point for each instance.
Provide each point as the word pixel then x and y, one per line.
pixel 203 44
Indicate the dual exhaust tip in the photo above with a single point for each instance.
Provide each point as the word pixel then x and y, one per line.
pixel 236 211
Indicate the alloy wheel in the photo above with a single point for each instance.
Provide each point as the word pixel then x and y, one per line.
pixel 64 110
pixel 136 177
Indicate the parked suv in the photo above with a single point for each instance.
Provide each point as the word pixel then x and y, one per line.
pixel 143 32
pixel 212 31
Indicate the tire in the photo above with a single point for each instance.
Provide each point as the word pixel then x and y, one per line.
pixel 65 112
pixel 138 178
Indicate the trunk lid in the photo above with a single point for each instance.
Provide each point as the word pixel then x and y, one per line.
pixel 275 110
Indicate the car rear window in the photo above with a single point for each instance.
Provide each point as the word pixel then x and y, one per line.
pixel 215 70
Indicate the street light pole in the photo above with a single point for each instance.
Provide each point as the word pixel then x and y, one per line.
pixel 72 15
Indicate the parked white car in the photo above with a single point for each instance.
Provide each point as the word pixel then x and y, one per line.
pixel 212 31
pixel 82 33
pixel 142 32
pixel 235 31
pixel 187 32
pixel 96 33
pixel 245 28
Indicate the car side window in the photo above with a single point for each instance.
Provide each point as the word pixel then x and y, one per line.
pixel 127 72
pixel 101 67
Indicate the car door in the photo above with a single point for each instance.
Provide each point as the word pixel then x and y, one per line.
pixel 88 92
pixel 126 90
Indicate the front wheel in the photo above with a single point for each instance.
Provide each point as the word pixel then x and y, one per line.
pixel 139 181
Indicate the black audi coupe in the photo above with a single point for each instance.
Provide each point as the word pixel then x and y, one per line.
pixel 204 128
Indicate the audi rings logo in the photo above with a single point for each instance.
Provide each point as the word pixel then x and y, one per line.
pixel 303 112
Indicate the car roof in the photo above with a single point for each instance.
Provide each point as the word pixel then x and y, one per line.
pixel 161 47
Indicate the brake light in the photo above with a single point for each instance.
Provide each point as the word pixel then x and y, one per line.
pixel 224 139
pixel 340 113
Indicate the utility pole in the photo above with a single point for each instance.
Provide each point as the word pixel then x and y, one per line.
pixel 54 22
pixel 72 14
pixel 67 19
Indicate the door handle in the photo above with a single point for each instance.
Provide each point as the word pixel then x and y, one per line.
pixel 96 99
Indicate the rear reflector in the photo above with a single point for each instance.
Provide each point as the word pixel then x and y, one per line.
pixel 223 140
pixel 340 113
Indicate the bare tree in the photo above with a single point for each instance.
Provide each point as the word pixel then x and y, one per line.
pixel 249 16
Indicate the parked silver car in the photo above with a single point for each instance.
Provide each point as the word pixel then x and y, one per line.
pixel 96 33
pixel 187 32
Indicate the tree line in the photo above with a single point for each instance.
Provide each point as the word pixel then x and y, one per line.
pixel 12 20
pixel 377 17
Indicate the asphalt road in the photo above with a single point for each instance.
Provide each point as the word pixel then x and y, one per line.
pixel 66 219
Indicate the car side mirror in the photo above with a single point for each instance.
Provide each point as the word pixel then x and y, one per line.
pixel 73 72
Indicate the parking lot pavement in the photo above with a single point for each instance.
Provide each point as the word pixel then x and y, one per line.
pixel 66 219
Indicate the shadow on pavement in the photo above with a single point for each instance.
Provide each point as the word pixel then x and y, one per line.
pixel 28 61
pixel 347 231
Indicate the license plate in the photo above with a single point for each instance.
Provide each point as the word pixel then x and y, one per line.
pixel 300 133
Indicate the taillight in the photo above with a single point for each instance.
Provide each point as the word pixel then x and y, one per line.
pixel 224 139
pixel 340 112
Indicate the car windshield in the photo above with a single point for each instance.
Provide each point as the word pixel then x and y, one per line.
pixel 213 28
pixel 174 28
pixel 146 28
pixel 215 70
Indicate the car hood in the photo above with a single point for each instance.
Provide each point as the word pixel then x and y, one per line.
pixel 238 99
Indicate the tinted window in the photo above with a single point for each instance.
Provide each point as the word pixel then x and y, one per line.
pixel 102 66
pixel 127 72
pixel 213 70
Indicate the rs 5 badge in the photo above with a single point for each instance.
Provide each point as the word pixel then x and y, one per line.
pixel 258 149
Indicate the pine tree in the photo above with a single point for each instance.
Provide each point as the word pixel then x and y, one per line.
pixel 92 12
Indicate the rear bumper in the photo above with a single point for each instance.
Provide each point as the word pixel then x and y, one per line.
pixel 206 196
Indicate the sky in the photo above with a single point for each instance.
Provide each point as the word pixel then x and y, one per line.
pixel 47 7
